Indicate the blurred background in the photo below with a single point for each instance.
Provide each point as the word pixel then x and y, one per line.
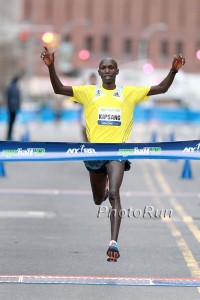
pixel 142 35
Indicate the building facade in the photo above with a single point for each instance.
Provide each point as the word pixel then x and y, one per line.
pixel 127 30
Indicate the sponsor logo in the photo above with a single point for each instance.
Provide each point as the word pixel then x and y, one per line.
pixel 81 149
pixel 98 93
pixel 23 152
pixel 116 94
pixel 142 151
pixel 192 149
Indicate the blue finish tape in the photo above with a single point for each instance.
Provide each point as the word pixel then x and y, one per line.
pixel 60 151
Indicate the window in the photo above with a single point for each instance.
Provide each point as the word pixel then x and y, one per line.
pixel 89 43
pixel 49 10
pixel 198 44
pixel 27 10
pixel 164 50
pixel 108 13
pixel 128 13
pixel 146 12
pixel 89 10
pixel 69 10
pixel 179 47
pixel 165 11
pixel 105 44
pixel 182 13
pixel 128 47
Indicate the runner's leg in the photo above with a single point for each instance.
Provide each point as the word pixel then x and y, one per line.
pixel 98 183
pixel 115 170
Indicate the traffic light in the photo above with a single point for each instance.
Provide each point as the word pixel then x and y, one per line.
pixel 24 35
pixel 148 68
pixel 51 39
pixel 47 37
pixel 84 54
pixel 198 54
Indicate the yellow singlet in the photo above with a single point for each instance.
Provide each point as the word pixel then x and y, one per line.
pixel 109 113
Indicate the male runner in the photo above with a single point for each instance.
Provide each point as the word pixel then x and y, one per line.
pixel 109 118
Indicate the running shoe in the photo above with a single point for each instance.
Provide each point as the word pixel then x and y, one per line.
pixel 112 252
pixel 106 194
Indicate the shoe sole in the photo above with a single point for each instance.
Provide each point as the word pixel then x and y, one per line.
pixel 113 254
pixel 111 259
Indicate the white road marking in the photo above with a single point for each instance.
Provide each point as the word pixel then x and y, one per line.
pixel 26 214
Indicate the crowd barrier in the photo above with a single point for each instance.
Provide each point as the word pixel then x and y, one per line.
pixel 141 114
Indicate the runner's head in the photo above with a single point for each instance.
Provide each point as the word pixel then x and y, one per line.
pixel 108 69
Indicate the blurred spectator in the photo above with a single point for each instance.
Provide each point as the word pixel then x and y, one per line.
pixel 58 111
pixel 13 96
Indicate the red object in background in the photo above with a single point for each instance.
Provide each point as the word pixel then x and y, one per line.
pixel 84 54
pixel 198 54
pixel 148 68
pixel 24 35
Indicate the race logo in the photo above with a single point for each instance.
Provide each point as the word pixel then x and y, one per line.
pixel 81 149
pixel 192 149
pixel 24 152
pixel 142 151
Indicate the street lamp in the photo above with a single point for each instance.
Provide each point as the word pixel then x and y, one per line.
pixel 146 34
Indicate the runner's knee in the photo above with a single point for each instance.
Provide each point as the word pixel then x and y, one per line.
pixel 114 198
pixel 98 200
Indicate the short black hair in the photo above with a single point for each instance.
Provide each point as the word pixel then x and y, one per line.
pixel 111 59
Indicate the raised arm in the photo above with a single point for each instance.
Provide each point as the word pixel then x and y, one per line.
pixel 59 88
pixel 163 87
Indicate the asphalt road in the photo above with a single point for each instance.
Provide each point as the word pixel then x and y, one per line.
pixel 49 224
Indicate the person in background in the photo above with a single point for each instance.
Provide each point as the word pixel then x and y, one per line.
pixel 109 118
pixel 13 97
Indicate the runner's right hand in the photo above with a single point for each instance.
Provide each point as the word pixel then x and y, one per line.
pixel 47 57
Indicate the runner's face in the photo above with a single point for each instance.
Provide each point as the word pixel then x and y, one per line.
pixel 108 70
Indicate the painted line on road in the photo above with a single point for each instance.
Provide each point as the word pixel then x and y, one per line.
pixel 100 280
pixel 188 220
pixel 26 214
pixel 71 192
pixel 189 258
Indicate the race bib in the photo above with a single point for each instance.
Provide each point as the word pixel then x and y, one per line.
pixel 109 116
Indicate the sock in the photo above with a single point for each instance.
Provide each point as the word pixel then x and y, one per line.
pixel 113 243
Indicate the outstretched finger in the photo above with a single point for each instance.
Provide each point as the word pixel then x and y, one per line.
pixel 182 59
pixel 46 49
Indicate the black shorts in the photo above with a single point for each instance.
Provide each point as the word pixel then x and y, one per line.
pixel 101 165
